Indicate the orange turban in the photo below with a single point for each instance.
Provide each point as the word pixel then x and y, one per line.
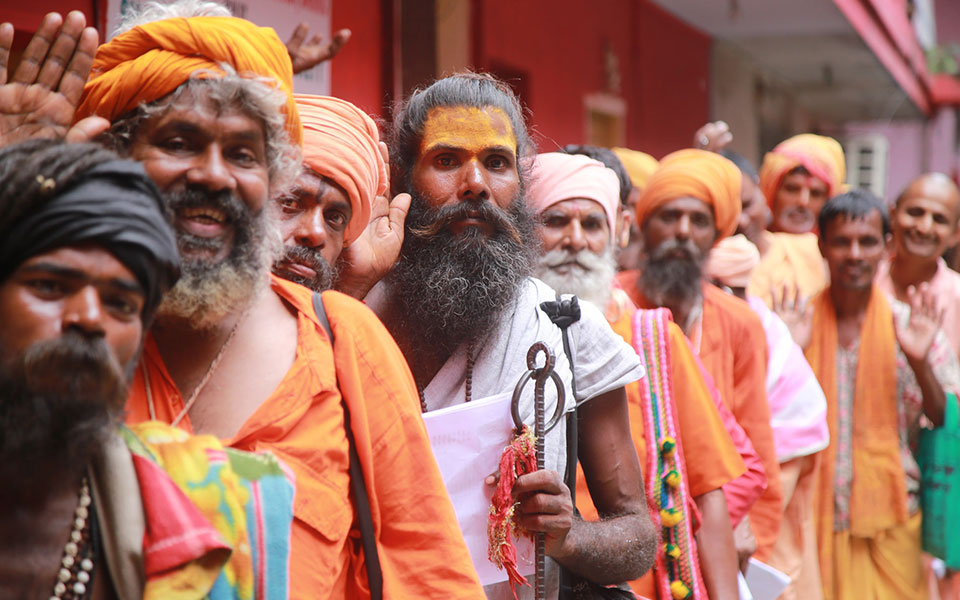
pixel 699 174
pixel 341 142
pixel 819 154
pixel 150 61
pixel 639 165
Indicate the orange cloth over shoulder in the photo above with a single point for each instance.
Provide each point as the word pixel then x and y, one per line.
pixel 341 142
pixel 822 156
pixel 421 548
pixel 699 174
pixel 878 494
pixel 712 459
pixel 149 61
pixel 733 348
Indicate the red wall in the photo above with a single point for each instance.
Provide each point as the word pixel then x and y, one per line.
pixel 560 45
pixel 357 71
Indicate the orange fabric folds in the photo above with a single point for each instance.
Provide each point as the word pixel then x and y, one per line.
pixel 819 154
pixel 878 496
pixel 341 142
pixel 148 62
pixel 695 174
pixel 639 165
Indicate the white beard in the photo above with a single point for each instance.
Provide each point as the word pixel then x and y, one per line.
pixel 584 273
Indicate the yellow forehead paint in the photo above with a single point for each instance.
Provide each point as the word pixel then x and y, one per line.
pixel 467 127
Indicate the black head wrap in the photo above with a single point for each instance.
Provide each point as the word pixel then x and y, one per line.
pixel 114 205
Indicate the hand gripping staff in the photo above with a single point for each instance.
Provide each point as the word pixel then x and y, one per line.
pixel 524 454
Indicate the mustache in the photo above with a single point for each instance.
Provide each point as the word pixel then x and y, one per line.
pixel 305 256
pixel 88 370
pixel 585 259
pixel 485 211
pixel 688 248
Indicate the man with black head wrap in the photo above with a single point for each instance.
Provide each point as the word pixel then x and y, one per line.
pixel 86 255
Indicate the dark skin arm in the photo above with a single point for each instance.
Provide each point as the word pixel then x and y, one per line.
pixel 718 556
pixel 622 545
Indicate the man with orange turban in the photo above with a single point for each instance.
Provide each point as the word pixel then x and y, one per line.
pixel 577 199
pixel 337 224
pixel 204 102
pixel 796 178
pixel 691 202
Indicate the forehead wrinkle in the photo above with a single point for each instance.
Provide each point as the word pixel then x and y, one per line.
pixel 467 127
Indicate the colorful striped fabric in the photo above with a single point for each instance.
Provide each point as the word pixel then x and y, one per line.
pixel 218 519
pixel 677 567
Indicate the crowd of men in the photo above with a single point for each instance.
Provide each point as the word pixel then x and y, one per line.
pixel 225 307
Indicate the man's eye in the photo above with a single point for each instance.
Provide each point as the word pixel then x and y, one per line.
pixel 445 160
pixel 122 305
pixel 174 144
pixel 289 204
pixel 244 157
pixel 46 287
pixel 337 219
pixel 496 162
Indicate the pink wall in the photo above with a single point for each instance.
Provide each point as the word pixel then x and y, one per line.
pixel 915 147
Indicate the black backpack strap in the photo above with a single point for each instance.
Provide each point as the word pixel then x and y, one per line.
pixel 358 485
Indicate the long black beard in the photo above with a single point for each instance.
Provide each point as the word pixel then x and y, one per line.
pixel 58 400
pixel 208 291
pixel 672 281
pixel 449 289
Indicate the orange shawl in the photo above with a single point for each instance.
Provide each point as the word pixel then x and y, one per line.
pixel 148 62
pixel 878 495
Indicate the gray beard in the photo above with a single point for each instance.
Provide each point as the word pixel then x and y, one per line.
pixel 207 292
pixel 450 289
pixel 590 278
pixel 672 281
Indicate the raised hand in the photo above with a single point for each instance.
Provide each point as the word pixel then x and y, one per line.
pixel 41 97
pixel 306 55
pixel 713 136
pixel 796 313
pixel 917 334
pixel 371 256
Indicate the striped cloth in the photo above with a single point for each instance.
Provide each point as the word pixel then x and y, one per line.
pixel 218 519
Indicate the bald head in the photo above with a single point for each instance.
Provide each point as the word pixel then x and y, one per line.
pixel 936 186
pixel 925 217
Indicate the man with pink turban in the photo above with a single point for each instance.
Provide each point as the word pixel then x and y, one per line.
pixel 692 202
pixel 577 199
pixel 796 179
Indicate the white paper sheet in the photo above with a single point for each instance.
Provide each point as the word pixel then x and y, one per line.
pixel 744 588
pixel 467 441
pixel 766 583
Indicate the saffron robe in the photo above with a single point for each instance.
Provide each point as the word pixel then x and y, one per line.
pixel 421 549
pixel 792 260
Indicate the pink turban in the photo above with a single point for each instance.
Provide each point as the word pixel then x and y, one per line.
pixel 557 177
pixel 341 143
pixel 822 156
pixel 732 261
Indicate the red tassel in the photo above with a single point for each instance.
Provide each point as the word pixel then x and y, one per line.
pixel 519 458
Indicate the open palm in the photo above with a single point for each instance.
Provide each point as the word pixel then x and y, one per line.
pixel 40 99
pixel 917 334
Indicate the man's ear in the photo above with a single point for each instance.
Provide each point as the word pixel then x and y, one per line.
pixel 888 243
pixel 626 219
